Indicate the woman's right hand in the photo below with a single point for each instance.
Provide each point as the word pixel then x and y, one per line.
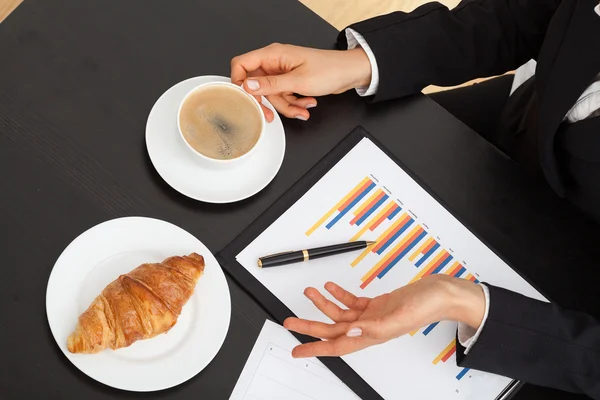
pixel 370 321
pixel 278 71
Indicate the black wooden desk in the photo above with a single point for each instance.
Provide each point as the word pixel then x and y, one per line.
pixel 77 81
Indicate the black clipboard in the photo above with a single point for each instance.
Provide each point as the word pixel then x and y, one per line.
pixel 279 311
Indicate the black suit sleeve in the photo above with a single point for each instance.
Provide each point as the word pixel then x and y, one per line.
pixel 435 46
pixel 539 343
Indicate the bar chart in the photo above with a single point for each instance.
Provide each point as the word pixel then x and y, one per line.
pixel 395 243
pixel 388 213
pixel 446 354
pixel 367 196
pixel 402 239
pixel 395 230
pixel 424 252
pixel 346 204
pixel 369 207
pixel 393 256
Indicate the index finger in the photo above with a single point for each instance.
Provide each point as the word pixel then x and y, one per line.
pixel 329 308
pixel 347 298
pixel 243 64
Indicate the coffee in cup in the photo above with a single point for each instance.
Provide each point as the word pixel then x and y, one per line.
pixel 220 121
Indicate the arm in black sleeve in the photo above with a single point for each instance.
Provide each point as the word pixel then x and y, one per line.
pixel 436 46
pixel 538 343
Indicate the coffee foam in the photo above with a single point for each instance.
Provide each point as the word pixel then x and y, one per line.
pixel 220 122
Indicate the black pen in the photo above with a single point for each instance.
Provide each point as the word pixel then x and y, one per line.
pixel 290 257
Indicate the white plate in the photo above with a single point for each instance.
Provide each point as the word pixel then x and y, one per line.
pixel 187 174
pixel 99 256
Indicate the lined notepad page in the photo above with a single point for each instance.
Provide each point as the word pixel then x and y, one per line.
pixel 271 373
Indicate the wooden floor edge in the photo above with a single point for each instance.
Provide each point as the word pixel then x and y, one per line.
pixel 8 6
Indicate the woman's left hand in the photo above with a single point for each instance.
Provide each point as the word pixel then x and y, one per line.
pixel 370 321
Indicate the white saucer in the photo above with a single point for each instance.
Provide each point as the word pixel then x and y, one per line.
pixel 187 174
pixel 96 258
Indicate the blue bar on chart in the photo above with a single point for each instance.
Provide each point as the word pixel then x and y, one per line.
pixel 388 261
pixel 461 271
pixel 462 373
pixel 370 209
pixel 393 214
pixel 427 255
pixel 392 236
pixel 351 203
pixel 407 245
pixel 428 330
pixel 442 265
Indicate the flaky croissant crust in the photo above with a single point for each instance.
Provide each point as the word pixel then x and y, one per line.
pixel 139 305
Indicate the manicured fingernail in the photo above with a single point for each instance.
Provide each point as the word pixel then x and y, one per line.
pixel 252 84
pixel 300 117
pixel 311 105
pixel 354 332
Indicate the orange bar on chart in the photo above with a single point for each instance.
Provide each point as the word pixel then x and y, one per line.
pixel 391 255
pixel 363 209
pixel 429 246
pixel 366 203
pixel 370 225
pixel 431 266
pixel 392 230
pixel 379 241
pixel 355 195
pixel 471 278
pixel 423 249
pixel 451 348
pixel 380 218
pixel 371 274
pixel 453 270
pixel 449 354
pixel 339 205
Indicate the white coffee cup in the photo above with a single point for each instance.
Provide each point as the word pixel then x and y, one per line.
pixel 216 161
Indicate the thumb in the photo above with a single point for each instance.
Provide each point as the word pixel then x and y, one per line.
pixel 270 85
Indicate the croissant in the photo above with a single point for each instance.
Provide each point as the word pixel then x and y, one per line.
pixel 139 305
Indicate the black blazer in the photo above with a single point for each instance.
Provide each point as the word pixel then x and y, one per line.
pixel 524 339
pixel 434 46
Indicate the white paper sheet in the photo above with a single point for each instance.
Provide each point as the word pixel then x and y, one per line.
pixel 410 366
pixel 272 374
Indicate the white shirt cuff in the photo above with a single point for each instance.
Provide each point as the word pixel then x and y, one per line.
pixel 467 336
pixel 355 39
